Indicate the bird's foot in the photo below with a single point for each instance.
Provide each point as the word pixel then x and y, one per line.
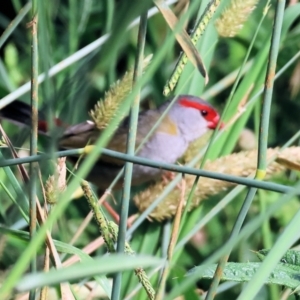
pixel 116 216
pixel 168 176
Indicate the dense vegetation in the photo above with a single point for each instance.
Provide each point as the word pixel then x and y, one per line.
pixel 206 232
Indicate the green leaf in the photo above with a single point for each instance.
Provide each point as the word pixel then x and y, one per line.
pixel 291 257
pixel 108 264
pixel 283 274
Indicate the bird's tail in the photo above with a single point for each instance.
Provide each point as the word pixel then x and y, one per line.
pixel 19 112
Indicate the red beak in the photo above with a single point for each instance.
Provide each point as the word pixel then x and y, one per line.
pixel 214 123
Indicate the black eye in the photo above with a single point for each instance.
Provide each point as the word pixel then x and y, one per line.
pixel 204 113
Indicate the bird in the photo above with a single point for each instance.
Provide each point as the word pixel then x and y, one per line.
pixel 188 119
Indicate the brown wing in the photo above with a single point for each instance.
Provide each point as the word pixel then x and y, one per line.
pixel 119 140
pixel 80 135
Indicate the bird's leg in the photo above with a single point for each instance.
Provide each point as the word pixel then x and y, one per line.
pixel 168 176
pixel 102 201
pixel 112 212
pixel 116 216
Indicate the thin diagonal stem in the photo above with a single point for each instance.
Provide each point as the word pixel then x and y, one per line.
pixel 263 142
pixel 130 150
pixel 213 138
pixel 198 30
pixel 268 90
pixel 251 227
pixel 234 234
pixel 10 29
pixel 67 62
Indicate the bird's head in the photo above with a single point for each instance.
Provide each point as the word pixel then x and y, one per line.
pixel 193 116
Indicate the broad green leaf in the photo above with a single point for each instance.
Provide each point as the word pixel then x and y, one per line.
pixel 283 274
pixel 100 266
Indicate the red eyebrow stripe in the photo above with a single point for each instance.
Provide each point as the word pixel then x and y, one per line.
pixel 212 113
pixel 193 104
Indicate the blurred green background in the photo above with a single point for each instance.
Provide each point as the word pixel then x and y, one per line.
pixel 65 27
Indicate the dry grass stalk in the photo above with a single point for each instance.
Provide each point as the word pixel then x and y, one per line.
pixel 294 81
pixel 105 110
pixel 56 183
pixel 233 18
pixel 241 164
